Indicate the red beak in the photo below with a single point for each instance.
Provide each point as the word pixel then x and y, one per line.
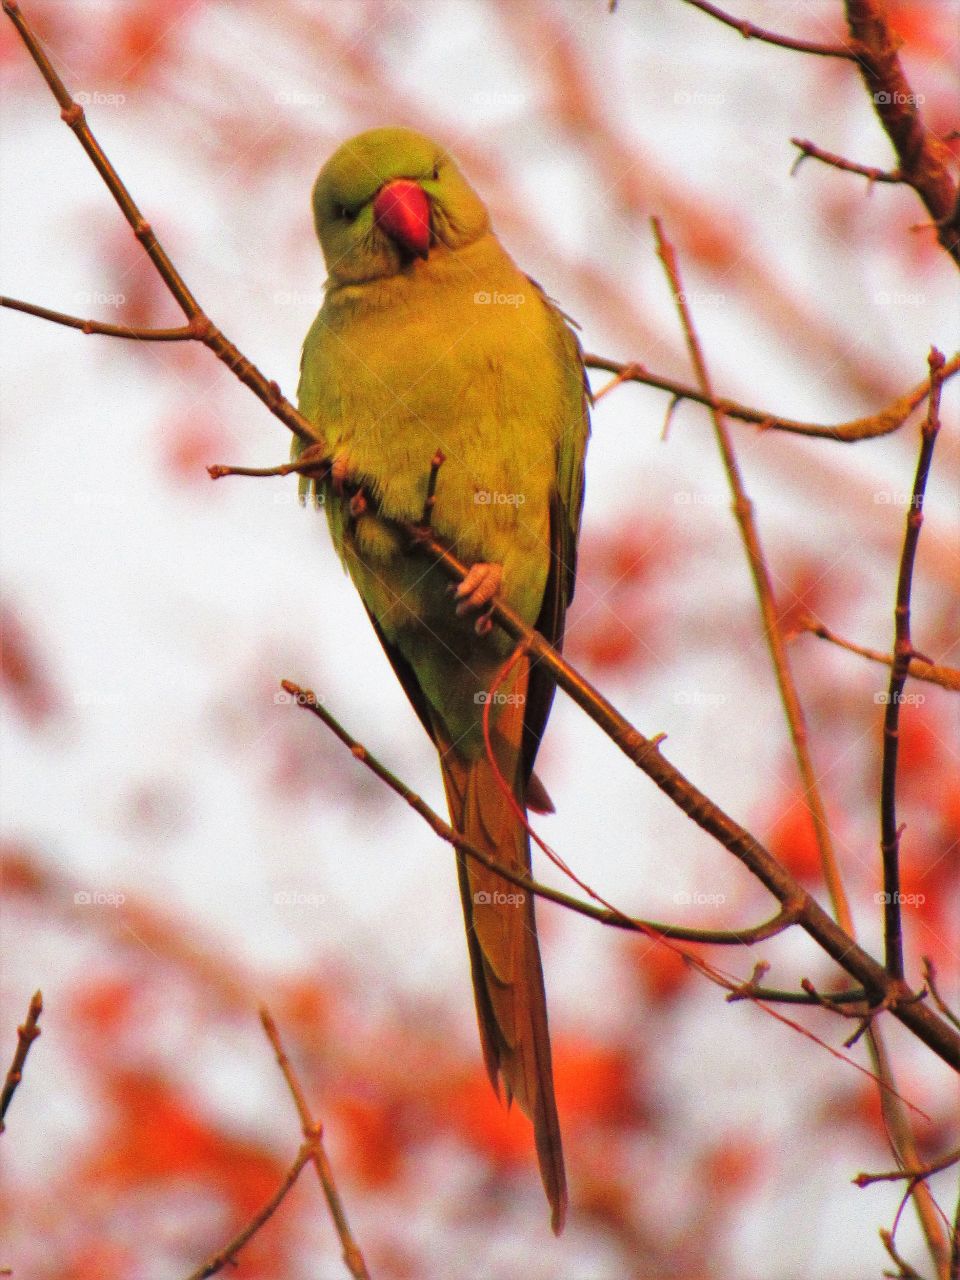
pixel 402 210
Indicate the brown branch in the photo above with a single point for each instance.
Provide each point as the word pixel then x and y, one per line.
pixel 743 511
pixel 773 996
pixel 924 161
pixel 897 1175
pixel 902 653
pixel 905 1270
pixel 616 919
pixel 228 1254
pixel 641 751
pixel 918 668
pixel 182 334
pixel 313 1133
pixel 751 32
pixel 26 1034
pixel 930 980
pixel 882 423
pixel 809 150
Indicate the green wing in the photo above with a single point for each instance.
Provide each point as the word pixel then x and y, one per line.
pixel 566 510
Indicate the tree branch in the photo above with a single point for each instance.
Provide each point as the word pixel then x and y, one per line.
pixel 26 1034
pixel 313 1134
pixel 184 333
pixel 307 699
pixel 882 423
pixel 228 1255
pixel 924 161
pixel 902 653
pixel 743 511
pixel 808 150
pixel 917 669
pixel 750 31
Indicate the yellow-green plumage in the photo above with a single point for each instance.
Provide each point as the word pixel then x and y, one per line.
pixel 456 350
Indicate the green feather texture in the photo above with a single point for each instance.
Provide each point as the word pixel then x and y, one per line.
pixel 455 349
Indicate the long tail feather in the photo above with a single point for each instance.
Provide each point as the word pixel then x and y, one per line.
pixel 502 940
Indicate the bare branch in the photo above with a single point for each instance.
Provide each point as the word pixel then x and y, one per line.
pixel 924 160
pixel 917 669
pixel 930 979
pixel 902 653
pixel 750 31
pixel 743 511
pixel 313 1133
pixel 184 333
pixel 809 150
pixel 228 1255
pixel 611 916
pixel 26 1034
pixel 882 423
pixel 897 1175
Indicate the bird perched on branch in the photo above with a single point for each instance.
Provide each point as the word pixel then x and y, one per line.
pixel 432 344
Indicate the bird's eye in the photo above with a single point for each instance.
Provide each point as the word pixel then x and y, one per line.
pixel 341 211
pixel 436 171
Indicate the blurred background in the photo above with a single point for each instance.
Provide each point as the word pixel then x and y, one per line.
pixel 181 843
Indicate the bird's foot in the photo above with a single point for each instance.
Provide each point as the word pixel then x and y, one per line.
pixel 340 472
pixel 476 592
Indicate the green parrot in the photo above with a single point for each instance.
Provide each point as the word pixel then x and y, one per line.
pixel 430 339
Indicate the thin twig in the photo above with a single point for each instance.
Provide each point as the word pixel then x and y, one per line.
pixel 743 511
pixel 228 1254
pixel 902 653
pixel 184 333
pixel 809 150
pixel 924 160
pixel 27 1032
pixel 313 1133
pixel 750 31
pixel 930 979
pixel 611 916
pixel 918 668
pixel 898 1175
pixel 882 423
pixel 906 1271
pixel 662 934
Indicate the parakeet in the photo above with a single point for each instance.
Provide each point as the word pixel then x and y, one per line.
pixel 430 338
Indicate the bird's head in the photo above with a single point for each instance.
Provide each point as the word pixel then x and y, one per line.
pixel 388 197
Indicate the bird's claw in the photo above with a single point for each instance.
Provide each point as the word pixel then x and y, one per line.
pixel 476 591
